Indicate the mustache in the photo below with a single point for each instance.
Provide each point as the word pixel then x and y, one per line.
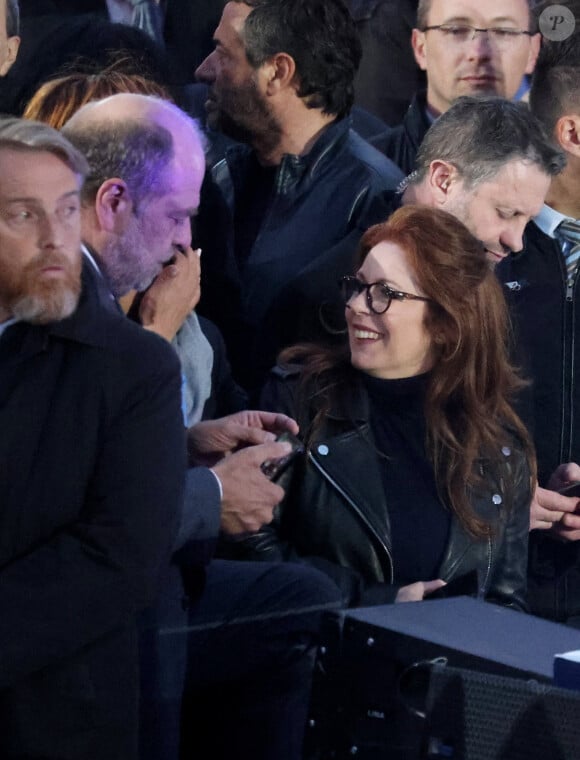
pixel 52 259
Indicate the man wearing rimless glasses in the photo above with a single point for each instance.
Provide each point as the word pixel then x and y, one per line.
pixel 466 47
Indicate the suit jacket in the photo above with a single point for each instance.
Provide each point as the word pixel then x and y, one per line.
pixel 91 475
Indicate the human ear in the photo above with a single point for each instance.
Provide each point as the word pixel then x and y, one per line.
pixel 535 42
pixel 442 176
pixel 12 45
pixel 113 205
pixel 567 133
pixel 418 45
pixel 279 73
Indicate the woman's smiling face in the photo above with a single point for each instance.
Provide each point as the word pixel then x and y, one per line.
pixel 395 344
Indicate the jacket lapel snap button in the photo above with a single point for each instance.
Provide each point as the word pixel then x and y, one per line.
pixel 323 450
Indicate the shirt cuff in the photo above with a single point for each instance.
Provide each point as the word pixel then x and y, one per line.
pixel 219 484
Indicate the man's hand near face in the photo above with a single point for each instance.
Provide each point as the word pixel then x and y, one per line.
pixel 173 295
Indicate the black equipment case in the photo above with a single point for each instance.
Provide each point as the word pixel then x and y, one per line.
pixel 384 674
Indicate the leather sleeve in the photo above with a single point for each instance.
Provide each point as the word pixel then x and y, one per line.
pixel 508 585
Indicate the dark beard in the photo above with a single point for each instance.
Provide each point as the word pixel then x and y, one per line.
pixel 244 116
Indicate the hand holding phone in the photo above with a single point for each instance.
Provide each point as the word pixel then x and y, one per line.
pixel 273 468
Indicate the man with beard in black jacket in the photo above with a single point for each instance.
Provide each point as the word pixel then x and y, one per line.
pixel 281 81
pixel 91 470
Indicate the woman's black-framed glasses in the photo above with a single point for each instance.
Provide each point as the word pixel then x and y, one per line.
pixel 378 294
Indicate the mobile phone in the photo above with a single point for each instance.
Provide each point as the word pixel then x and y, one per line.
pixel 572 489
pixel 273 468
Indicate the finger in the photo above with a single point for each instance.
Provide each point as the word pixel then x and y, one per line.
pixel 250 436
pixel 193 258
pixel 548 516
pixel 430 586
pixel 565 534
pixel 274 450
pixel 285 423
pixel 551 501
pixel 168 272
pixel 540 522
pixel 277 493
pixel 277 422
pixel 571 522
pixel 569 472
pixel 568 503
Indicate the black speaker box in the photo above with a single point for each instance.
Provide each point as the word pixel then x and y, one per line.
pixel 374 668
pixel 472 715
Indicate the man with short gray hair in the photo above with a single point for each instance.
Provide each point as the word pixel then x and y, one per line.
pixel 466 47
pixel 488 162
pixel 91 470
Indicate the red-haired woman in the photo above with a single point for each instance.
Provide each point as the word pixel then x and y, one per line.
pixel 417 469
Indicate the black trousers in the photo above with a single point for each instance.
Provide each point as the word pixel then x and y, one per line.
pixel 229 676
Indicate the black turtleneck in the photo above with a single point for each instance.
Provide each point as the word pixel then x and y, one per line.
pixel 419 522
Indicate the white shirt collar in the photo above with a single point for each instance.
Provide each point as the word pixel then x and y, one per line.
pixel 548 220
pixel 91 258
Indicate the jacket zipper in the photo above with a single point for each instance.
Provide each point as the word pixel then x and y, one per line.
pixel 569 339
pixel 360 514
pixel 483 586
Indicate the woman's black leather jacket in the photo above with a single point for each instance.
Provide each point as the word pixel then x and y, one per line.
pixel 335 513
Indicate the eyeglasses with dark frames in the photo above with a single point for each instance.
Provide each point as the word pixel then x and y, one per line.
pixel 378 294
pixel 502 36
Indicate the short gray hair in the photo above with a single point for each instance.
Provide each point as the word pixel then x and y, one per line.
pixel 479 135
pixel 12 18
pixel 136 151
pixel 26 135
